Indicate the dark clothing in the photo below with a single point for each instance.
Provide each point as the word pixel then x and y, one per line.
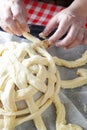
pixel 64 3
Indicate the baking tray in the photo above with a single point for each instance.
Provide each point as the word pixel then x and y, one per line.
pixel 75 100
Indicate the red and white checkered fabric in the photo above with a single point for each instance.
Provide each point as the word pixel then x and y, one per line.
pixel 39 13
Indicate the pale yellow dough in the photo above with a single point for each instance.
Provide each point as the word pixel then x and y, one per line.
pixel 26 70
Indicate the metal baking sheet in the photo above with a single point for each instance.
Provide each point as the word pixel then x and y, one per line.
pixel 75 100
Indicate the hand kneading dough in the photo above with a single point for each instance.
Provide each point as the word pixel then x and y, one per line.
pixel 27 70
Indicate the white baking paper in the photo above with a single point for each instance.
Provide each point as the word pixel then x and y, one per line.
pixel 75 100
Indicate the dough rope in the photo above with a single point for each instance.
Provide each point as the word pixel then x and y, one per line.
pixel 77 82
pixel 72 64
pixel 30 83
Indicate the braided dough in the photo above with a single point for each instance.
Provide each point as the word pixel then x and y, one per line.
pixel 27 70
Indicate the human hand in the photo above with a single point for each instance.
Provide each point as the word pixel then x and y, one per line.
pixel 68 23
pixel 13 13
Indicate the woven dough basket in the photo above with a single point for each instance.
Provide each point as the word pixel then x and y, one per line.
pixel 28 80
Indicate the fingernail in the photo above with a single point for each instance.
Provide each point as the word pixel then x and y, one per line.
pixel 65 48
pixel 42 35
pixel 57 45
pixel 27 29
pixel 18 34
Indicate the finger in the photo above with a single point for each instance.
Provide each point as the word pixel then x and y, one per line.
pixel 73 44
pixel 60 32
pixel 81 35
pixel 22 23
pixel 15 28
pixel 85 38
pixel 24 10
pixel 19 15
pixel 7 29
pixel 16 8
pixel 11 28
pixel 70 37
pixel 79 39
pixel 52 24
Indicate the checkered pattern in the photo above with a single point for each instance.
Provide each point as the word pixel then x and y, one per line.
pixel 39 13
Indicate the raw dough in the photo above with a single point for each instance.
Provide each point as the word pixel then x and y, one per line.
pixel 27 70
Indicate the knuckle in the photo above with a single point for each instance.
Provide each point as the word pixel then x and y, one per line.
pixel 4 27
pixel 68 18
pixel 70 37
pixel 7 19
pixel 60 31
pixel 53 40
pixel 85 40
pixel 16 14
pixel 71 18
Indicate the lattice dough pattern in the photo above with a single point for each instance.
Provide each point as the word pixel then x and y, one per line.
pixel 28 70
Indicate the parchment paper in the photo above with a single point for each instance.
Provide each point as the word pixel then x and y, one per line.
pixel 75 100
